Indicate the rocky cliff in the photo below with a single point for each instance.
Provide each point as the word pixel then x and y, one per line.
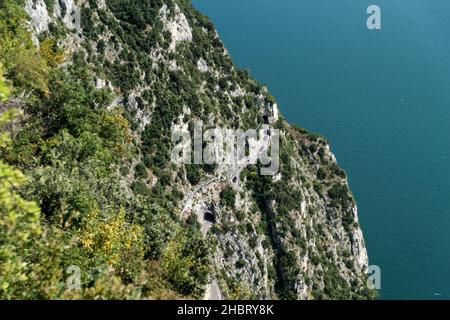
pixel 293 235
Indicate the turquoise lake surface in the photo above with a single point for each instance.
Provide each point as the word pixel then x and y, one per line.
pixel 382 97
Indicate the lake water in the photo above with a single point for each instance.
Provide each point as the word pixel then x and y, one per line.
pixel 382 98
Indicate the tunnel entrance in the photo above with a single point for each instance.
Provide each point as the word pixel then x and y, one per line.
pixel 209 216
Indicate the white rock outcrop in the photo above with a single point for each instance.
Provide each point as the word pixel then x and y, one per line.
pixel 177 25
pixel 37 11
pixel 202 65
pixel 69 13
pixel 358 247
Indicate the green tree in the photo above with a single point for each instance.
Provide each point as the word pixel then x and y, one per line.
pixel 186 263
pixel 228 197
pixel 4 88
pixel 111 238
pixel 19 224
pixel 27 270
pixel 22 62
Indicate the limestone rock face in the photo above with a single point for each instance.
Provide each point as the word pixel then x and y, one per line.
pixel 39 17
pixel 177 25
pixel 358 246
pixel 202 65
pixel 69 13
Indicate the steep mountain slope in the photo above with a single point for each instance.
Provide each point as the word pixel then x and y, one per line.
pixel 294 235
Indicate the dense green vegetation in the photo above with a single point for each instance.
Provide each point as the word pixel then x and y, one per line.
pixel 228 197
pixel 62 203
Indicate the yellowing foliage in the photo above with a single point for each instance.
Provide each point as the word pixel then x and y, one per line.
pixel 51 54
pixel 111 237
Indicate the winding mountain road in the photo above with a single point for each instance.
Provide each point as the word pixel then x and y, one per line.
pixel 213 290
